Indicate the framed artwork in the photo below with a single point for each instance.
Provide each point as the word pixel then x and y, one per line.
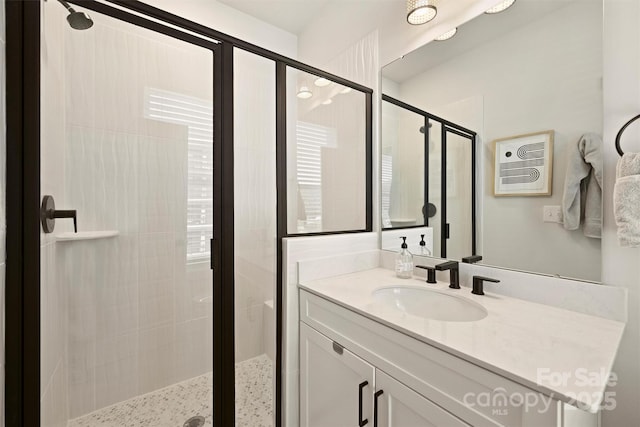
pixel 523 165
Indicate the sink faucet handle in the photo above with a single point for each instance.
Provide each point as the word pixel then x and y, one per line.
pixel 478 284
pixel 431 273
pixel 472 259
pixel 454 273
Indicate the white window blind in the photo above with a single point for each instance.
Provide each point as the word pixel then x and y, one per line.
pixel 387 177
pixel 310 139
pixel 197 115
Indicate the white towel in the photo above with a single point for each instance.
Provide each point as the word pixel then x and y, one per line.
pixel 626 200
pixel 582 198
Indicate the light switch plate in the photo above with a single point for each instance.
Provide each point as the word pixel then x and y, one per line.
pixel 552 214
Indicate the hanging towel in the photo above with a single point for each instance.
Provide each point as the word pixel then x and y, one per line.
pixel 626 200
pixel 582 198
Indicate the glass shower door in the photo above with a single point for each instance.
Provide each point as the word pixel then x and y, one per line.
pixel 127 147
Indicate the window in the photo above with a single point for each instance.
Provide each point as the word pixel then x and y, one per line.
pixel 197 115
pixel 310 138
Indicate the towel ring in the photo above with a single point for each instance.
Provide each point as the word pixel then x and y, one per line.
pixel 618 149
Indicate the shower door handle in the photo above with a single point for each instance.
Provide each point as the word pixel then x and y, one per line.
pixel 214 254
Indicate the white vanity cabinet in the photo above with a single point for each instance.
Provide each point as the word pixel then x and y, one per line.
pixel 420 385
pixel 399 406
pixel 336 386
pixel 337 389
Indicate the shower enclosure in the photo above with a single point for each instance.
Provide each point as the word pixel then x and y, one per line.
pixel 128 135
pixel 165 143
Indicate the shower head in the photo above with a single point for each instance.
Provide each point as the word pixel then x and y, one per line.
pixel 77 20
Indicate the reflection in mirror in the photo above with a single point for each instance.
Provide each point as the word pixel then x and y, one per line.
pixel 420 186
pixel 326 155
pixel 534 68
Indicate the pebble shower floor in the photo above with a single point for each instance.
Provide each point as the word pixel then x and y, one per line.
pixel 173 405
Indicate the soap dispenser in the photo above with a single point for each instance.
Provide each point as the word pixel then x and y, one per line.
pixel 404 261
pixel 424 251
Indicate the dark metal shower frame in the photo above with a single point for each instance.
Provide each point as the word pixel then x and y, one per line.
pixel 23 18
pixel 446 127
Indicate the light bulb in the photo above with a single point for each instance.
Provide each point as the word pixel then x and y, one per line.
pixel 420 11
pixel 304 93
pixel 447 35
pixel 500 7
pixel 322 82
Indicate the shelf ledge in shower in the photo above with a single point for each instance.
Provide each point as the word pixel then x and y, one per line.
pixel 86 235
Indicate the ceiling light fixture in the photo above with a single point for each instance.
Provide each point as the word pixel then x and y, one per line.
pixel 447 35
pixel 327 102
pixel 420 11
pixel 500 7
pixel 322 82
pixel 304 93
pixel 347 89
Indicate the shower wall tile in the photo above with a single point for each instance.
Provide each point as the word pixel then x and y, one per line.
pixel 254 199
pixel 156 303
pixel 248 329
pixel 139 317
pixel 51 312
pixel 81 356
pixel 80 62
pixel 194 347
pixel 193 293
pixel 54 400
pixel 101 179
pixel 155 257
pixel 116 369
pixel 156 358
pixel 120 105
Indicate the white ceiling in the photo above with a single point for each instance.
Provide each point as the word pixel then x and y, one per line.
pixel 290 15
pixel 470 35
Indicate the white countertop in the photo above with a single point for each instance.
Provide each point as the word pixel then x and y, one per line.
pixel 526 342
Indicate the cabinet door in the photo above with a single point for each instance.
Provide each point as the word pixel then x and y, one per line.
pixel 332 383
pixel 399 406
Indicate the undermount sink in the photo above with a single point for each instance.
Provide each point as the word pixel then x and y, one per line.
pixel 430 304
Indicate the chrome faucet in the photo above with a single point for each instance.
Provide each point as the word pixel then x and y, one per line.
pixel 454 273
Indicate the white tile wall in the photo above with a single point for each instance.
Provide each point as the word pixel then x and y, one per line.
pixel 124 315
pixel 255 199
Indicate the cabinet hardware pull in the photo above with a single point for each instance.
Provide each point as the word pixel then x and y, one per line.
pixel 375 407
pixel 361 422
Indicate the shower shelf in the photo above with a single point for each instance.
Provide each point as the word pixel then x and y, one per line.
pixel 86 235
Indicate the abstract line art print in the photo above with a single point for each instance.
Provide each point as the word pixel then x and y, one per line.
pixel 523 165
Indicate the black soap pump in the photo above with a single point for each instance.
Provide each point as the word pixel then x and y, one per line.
pixel 404 261
pixel 424 251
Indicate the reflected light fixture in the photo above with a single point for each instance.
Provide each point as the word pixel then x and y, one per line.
pixel 304 93
pixel 346 89
pixel 322 82
pixel 447 35
pixel 500 7
pixel 327 102
pixel 420 11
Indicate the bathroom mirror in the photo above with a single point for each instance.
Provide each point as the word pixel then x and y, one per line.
pixel 528 81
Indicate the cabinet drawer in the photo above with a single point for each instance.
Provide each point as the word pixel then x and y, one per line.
pixel 474 394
